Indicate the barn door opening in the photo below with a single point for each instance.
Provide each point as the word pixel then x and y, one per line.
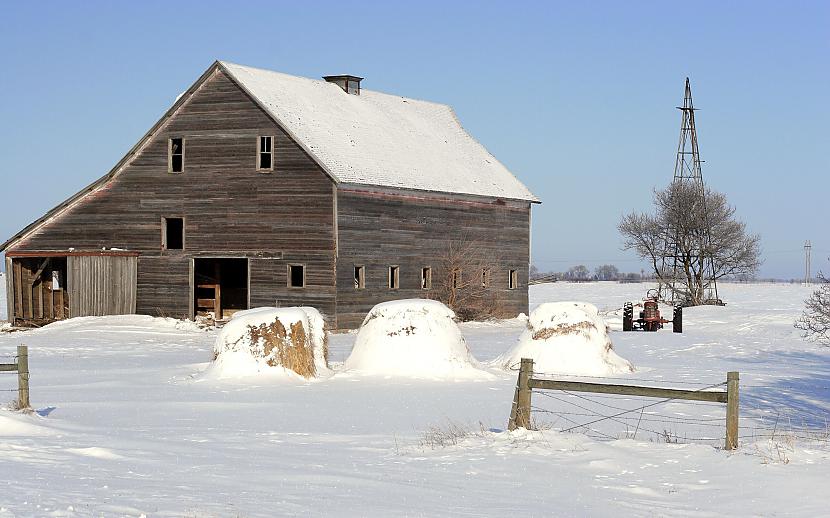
pixel 220 286
pixel 39 285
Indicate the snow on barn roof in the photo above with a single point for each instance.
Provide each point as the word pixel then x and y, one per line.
pixel 372 139
pixel 380 139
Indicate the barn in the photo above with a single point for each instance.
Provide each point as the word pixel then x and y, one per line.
pixel 258 188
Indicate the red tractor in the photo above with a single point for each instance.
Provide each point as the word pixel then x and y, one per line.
pixel 650 318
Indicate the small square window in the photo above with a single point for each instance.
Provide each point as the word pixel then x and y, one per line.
pixel 359 277
pixel 394 277
pixel 176 155
pixel 265 154
pixel 513 280
pixel 426 278
pixel 296 276
pixel 172 234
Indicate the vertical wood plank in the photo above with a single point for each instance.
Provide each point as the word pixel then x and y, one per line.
pixel 18 294
pixel 9 290
pixel 732 409
pixel 23 376
pixel 520 413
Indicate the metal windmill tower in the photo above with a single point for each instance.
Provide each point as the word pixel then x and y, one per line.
pixel 687 170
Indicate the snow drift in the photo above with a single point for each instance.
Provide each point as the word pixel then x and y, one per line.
pixel 567 338
pixel 412 337
pixel 272 340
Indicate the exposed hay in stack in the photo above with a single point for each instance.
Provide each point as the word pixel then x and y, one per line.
pixel 258 339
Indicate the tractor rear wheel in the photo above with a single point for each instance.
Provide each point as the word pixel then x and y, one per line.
pixel 628 316
pixel 677 320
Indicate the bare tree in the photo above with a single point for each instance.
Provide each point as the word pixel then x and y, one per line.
pixel 463 280
pixel 704 231
pixel 579 272
pixel 607 272
pixel 815 321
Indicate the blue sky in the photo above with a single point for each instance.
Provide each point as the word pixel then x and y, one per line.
pixel 576 98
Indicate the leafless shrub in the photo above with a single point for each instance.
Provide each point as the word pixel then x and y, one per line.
pixel 463 281
pixel 449 434
pixel 815 321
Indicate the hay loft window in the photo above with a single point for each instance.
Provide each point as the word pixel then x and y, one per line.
pixel 485 277
pixel 172 233
pixel 394 277
pixel 175 155
pixel 513 280
pixel 359 277
pixel 426 278
pixel 296 276
pixel 265 154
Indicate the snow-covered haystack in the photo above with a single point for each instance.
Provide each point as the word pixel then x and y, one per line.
pixel 567 338
pixel 272 340
pixel 413 337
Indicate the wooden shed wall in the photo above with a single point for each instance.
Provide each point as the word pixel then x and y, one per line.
pixel 377 230
pixel 230 209
pixel 9 291
pixel 101 285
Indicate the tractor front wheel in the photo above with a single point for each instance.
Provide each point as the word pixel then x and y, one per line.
pixel 628 316
pixel 677 320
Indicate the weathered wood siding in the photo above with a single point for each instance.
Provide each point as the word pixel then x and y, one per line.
pixel 9 291
pixel 230 209
pixel 101 285
pixel 377 230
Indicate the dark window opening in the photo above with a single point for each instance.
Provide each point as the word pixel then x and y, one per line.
pixel 296 276
pixel 426 278
pixel 456 279
pixel 394 277
pixel 485 277
pixel 176 155
pixel 220 286
pixel 513 280
pixel 173 238
pixel 266 153
pixel 359 277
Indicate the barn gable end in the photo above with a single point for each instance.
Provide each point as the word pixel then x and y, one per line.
pixel 229 208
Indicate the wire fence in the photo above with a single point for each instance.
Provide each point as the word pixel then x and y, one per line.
pixel 612 417
pixel 10 359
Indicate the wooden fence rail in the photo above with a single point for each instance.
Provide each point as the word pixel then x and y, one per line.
pixel 21 365
pixel 520 412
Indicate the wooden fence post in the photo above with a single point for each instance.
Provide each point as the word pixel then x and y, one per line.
pixel 23 377
pixel 520 413
pixel 731 410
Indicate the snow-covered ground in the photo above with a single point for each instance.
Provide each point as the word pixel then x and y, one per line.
pixel 128 426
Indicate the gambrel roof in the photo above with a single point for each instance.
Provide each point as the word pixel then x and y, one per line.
pixel 378 139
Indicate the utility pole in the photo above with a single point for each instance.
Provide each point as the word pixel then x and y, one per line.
pixel 807 249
